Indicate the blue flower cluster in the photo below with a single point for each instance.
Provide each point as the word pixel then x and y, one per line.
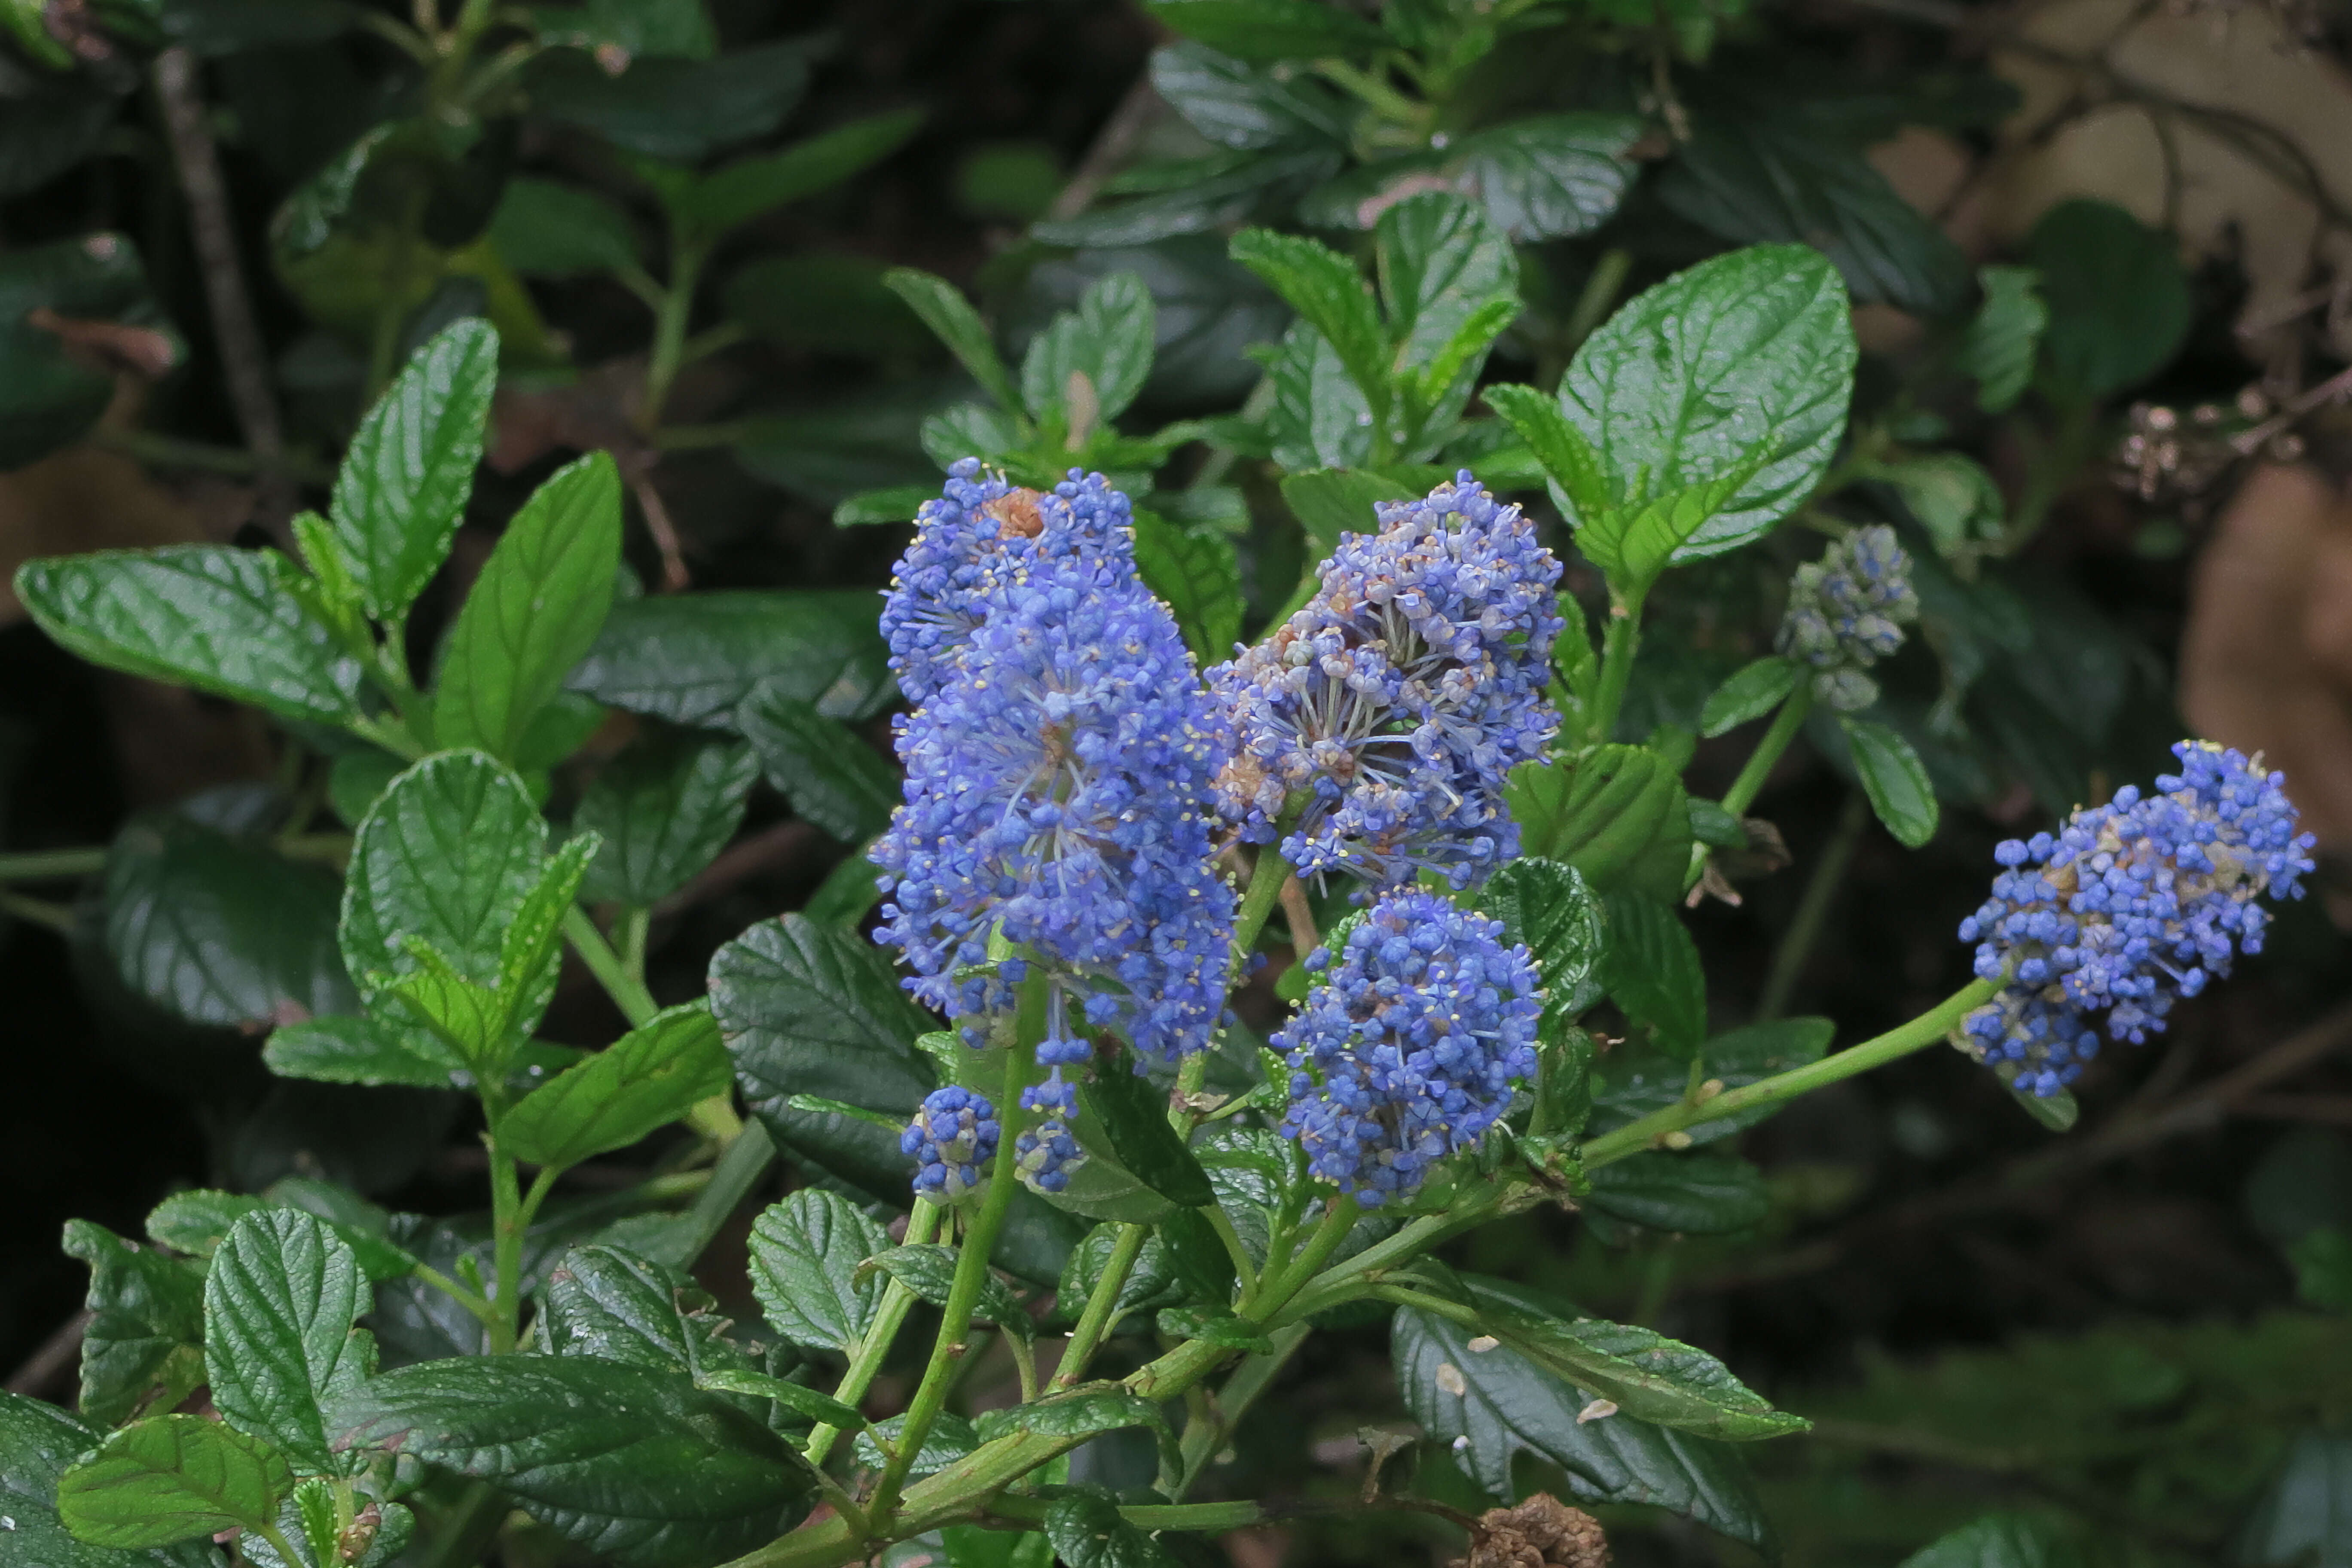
pixel 2128 906
pixel 1406 1048
pixel 1058 767
pixel 1846 612
pixel 1045 1156
pixel 980 533
pixel 1390 708
pixel 951 1141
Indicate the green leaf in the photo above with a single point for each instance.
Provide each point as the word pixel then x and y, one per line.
pixel 171 1478
pixel 795 1397
pixel 197 1221
pixel 635 1465
pixel 957 325
pixel 2003 336
pixel 467 1015
pixel 1320 419
pixel 678 110
pixel 1087 1530
pixel 1450 283
pixel 950 1438
pixel 1107 340
pixel 1330 502
pixel 646 1080
pixel 1617 814
pixel 37 1442
pixel 280 1303
pixel 561 231
pixel 1651 969
pixel 2305 1517
pixel 1215 1325
pixel 1951 495
pixel 1151 1283
pixel 146 1319
pixel 602 1301
pixel 809 1009
pixel 1741 365
pixel 1687 1195
pixel 1073 1415
pixel 1638 1083
pixel 1329 295
pixel 1754 181
pixel 805 1258
pixel 750 186
pixel 663 809
pixel 403 484
pixel 833 779
pixel 1633 544
pixel 1548 176
pixel 1199 575
pixel 221 930
pixel 348 1049
pixel 2118 299
pixel 1751 693
pixel 1549 906
pixel 221 620
pixel 2323 1269
pixel 534 612
pixel 2055 1112
pixel 897 503
pixel 1134 1117
pixel 1266 31
pixel 1237 190
pixel 690 658
pixel 1500 1404
pixel 1643 1373
pixel 2021 1540
pixel 1895 780
pixel 1568 459
pixel 1244 107
pixel 929 1272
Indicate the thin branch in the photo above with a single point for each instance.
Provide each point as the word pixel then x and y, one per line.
pixel 54 1354
pixel 675 577
pixel 1112 145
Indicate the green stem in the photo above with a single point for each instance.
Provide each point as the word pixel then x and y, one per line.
pixel 1264 891
pixel 1393 104
pixel 668 353
pixel 630 928
pixel 39 912
pixel 1194 1516
pixel 1339 1216
pixel 278 1543
pixel 506 1251
pixel 1785 725
pixel 971 1271
pixel 49 866
pixel 1600 293
pixel 1222 1224
pixel 1813 908
pixel 474 1301
pixel 1924 1030
pixel 1095 1320
pixel 628 991
pixel 1241 1390
pixel 746 1159
pixel 1619 644
pixel 922 1224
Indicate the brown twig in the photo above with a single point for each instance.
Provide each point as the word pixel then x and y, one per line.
pixel 1112 144
pixel 54 1354
pixel 245 362
pixel 1303 937
pixel 675 577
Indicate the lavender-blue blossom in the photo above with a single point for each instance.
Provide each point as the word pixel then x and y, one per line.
pixel 1408 1045
pixel 1388 709
pixel 1846 612
pixel 2128 906
pixel 951 1141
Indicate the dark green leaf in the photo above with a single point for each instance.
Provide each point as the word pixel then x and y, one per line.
pixel 1198 207
pixel 280 1303
pixel 1199 575
pixel 833 304
pixel 1320 418
pixel 950 1439
pixel 1756 182
pixel 633 1464
pixel 1617 814
pixel 534 612
pixel 146 1321
pixel 690 658
pixel 809 1009
pixel 221 620
pixel 678 110
pixel 561 231
pixel 948 314
pixel 1151 1284
pixel 1742 364
pixel 1548 906
pixel 2056 1111
pixel 1216 1325
pixel 352 1050
pixel 1266 31
pixel 2003 336
pixel 1505 1405
pixel 1639 1083
pixel 1107 340
pixel 1689 1195
pixel 604 1301
pixel 1895 780
pixel 1072 1415
pixel 1087 1530
pixel 929 1272
pixel 1951 494
pixel 832 777
pixel 1754 691
pixel 1134 1116
pixel 2304 1518
pixel 646 1080
pixel 197 1221
pixel 800 1400
pixel 2020 1541
pixel 172 1478
pixel 2118 298
pixel 1330 296
pixel 1245 107
pixel 1569 460
pixel 403 486
pixel 1329 502
pixel 1651 969
pixel 663 808
pixel 37 1441
pixel 1441 263
pixel 806 1253
pixel 743 190
pixel 1548 176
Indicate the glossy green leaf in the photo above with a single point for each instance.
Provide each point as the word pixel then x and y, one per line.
pixel 404 481
pixel 171 1478
pixel 146 1323
pixel 1686 1195
pixel 1320 418
pixel 950 1438
pixel 1751 693
pixel 2021 1540
pixel 633 1464
pixel 605 1302
pixel 1638 1083
pixel 1742 365
pixel 1895 779
pixel 833 779
pixel 2004 335
pixel 795 1397
pixel 221 620
pixel 1234 193
pixel 1651 968
pixel 1107 340
pixel 1548 176
pixel 1501 1405
pixel 690 658
pixel 2118 295
pixel 1568 458
pixel 561 231
pixel 805 1258
pixel 534 611
pixel 680 110
pixel 1617 814
pixel 1198 575
pixel 1087 1530
pixel 646 1080
pixel 1331 502
pixel 1244 107
pixel 1330 296
pixel 281 1300
pixel 1133 1114
pixel 1073 1415
pixel 352 1050
pixel 1151 1283
pixel 1269 30
pixel 37 1442
pixel 745 189
pixel 929 1272
pixel 1215 1325
pixel 663 809
pixel 1439 262
pixel 951 318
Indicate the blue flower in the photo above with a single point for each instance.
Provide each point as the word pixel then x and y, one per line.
pixel 1044 1156
pixel 1055 816
pixel 1388 710
pixel 983 532
pixel 1846 612
pixel 1406 1050
pixel 2128 906
pixel 951 1141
